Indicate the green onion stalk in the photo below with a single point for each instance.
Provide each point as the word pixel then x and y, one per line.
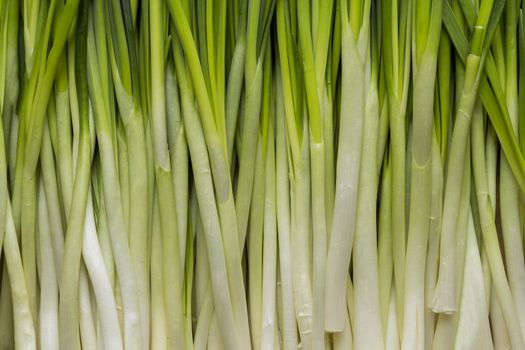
pixel 9 82
pixel 253 81
pixel 15 290
pixel 446 325
pixel 258 226
pixel 473 312
pixel 442 112
pixel 234 89
pixel 207 202
pixel 434 231
pixel 490 239
pixel 444 299
pixel 287 307
pixel 41 67
pixel 355 35
pixel 212 114
pixel 269 294
pixel 102 289
pixel 367 315
pixel 500 334
pixel 125 80
pixel 396 41
pixel 385 260
pixel 255 247
pixel 312 46
pixel 509 192
pixel 48 287
pixel 69 279
pixel 51 188
pixel 172 270
pixel 99 71
pixel 297 144
pixel 299 172
pixel 426 29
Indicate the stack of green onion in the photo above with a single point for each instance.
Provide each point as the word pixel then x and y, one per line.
pixel 262 174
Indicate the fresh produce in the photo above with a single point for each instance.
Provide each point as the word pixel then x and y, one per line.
pixel 262 174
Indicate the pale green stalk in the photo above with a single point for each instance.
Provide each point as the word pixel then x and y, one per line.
pixel 7 328
pixel 317 154
pixel 207 206
pixel 353 46
pixel 425 37
pixel 434 231
pixel 10 85
pixel 350 301
pixel 344 340
pixel 385 262
pixel 511 213
pixel 53 201
pixel 7 104
pixel 255 245
pixel 64 142
pixel 499 331
pixel 73 102
pixel 234 89
pixel 28 238
pixel 173 262
pixel 220 172
pixel 48 313
pixel 301 251
pixel 490 238
pixel 88 334
pixel 101 221
pixel 287 310
pixel 255 69
pixel 396 48
pixel 445 299
pixel 297 132
pixel 204 308
pixel 269 273
pixel 159 338
pixel 215 339
pixel 33 113
pixel 392 333
pixel 178 147
pixel 202 328
pixel 102 290
pixel 189 275
pixel 473 324
pixel 368 330
pixel 446 325
pixel 201 285
pixel 124 174
pixel 112 197
pixel 322 33
pixel 24 328
pixel 124 69
pixel 69 292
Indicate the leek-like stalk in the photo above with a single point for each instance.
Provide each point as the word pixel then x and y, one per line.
pixel 427 28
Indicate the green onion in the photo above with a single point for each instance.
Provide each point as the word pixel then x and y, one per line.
pixel 262 174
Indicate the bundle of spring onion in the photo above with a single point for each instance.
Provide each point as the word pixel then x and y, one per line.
pixel 262 174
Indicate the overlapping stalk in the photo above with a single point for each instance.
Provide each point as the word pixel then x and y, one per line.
pixel 262 174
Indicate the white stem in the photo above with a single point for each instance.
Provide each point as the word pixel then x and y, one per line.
pixel 96 268
pixel 48 281
pixel 88 334
pixel 269 319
